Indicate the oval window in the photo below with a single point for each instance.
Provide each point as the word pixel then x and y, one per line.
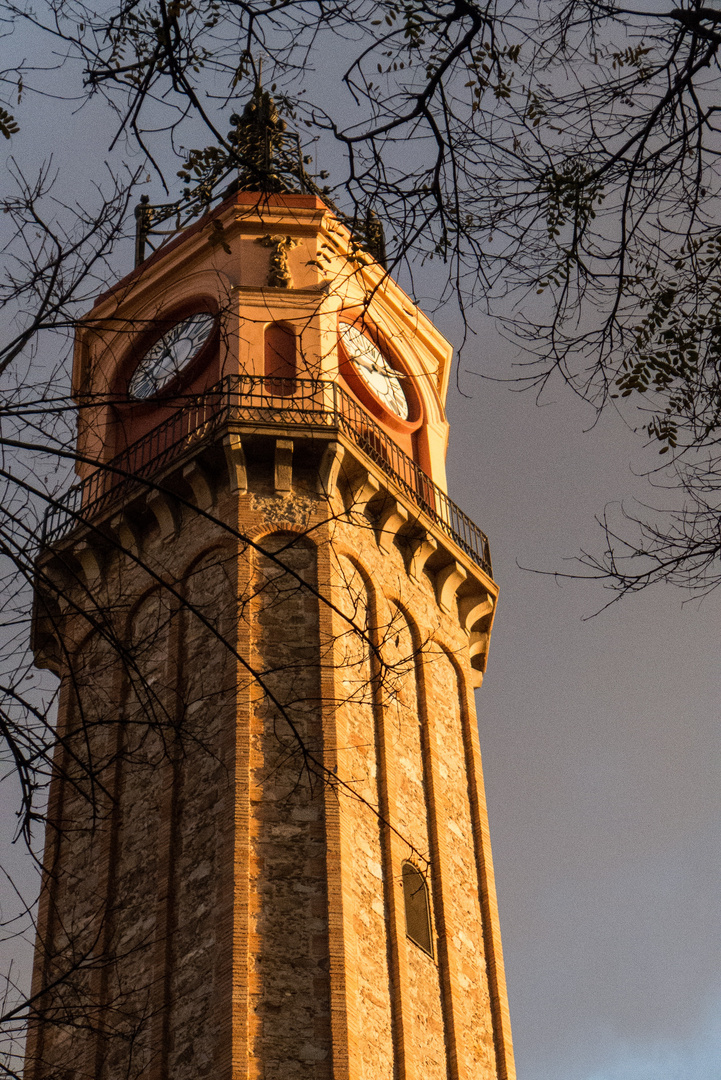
pixel 170 354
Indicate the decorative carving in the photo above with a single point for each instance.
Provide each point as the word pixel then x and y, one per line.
pixel 392 518
pixel 361 489
pixel 279 271
pixel 474 607
pixel 421 549
pixel 329 468
pixel 164 509
pixel 270 159
pixel 447 581
pixel 198 480
pixel 126 533
pixel 283 466
pixel 235 459
pixel 90 561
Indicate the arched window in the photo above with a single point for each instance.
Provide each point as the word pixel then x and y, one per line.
pixel 281 365
pixel 418 908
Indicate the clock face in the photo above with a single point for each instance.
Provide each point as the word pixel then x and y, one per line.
pixel 170 354
pixel 374 369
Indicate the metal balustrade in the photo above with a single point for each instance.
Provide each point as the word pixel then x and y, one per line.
pixel 254 401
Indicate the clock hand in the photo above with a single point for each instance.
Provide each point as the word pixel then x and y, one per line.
pixel 364 362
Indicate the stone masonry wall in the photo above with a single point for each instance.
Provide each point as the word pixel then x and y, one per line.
pixel 367 921
pixel 419 783
pixel 136 882
pixel 290 1022
pixel 425 1012
pixel 283 726
pixel 201 818
pixel 135 856
pixel 464 924
pixel 74 917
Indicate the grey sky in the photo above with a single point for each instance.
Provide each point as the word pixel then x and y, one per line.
pixel 600 743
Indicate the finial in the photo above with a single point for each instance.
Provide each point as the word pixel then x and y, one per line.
pixel 266 158
pixel 270 158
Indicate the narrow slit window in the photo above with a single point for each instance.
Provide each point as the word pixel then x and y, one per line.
pixel 281 364
pixel 418 908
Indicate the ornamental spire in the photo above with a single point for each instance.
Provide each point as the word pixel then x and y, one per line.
pixel 262 155
pixel 269 156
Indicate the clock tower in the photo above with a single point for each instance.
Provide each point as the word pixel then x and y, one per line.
pixel 267 851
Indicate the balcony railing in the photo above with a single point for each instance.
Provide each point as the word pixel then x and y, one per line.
pixel 252 401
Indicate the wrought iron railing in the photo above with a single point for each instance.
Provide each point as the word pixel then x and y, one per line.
pixel 254 401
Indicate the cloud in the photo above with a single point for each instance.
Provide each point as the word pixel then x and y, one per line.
pixel 697 1057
